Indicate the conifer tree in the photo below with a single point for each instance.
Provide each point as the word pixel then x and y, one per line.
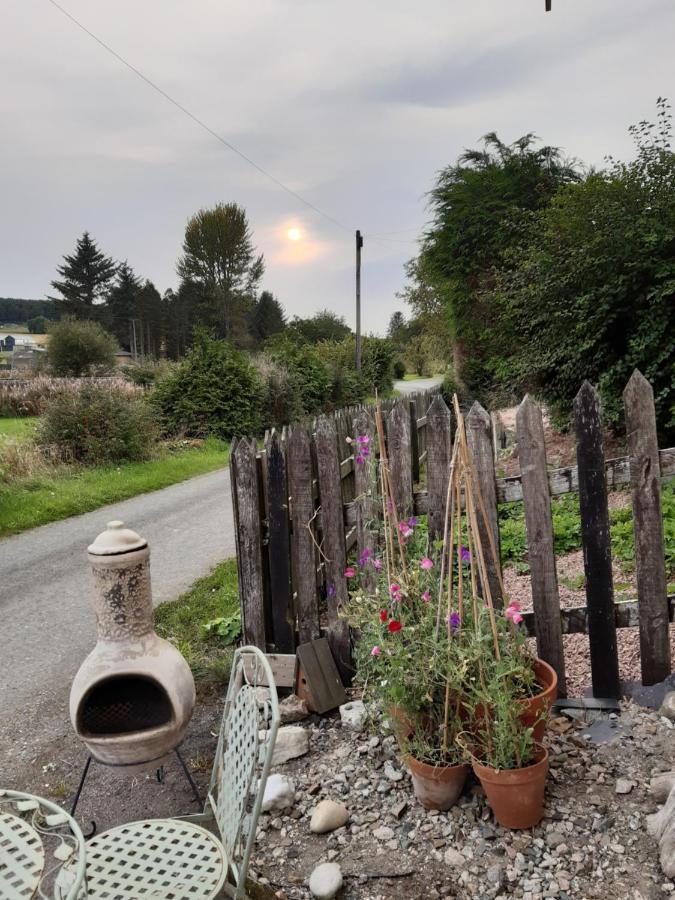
pixel 85 280
pixel 121 308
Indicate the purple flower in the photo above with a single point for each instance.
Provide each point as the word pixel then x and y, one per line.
pixel 363 559
pixel 363 439
pixel 377 565
pixel 426 563
pixel 454 622
pixel 426 596
pixel 466 556
pixel 412 521
pixel 331 590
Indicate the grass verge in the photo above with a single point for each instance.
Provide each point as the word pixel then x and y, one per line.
pixel 18 429
pixel 188 622
pixel 28 502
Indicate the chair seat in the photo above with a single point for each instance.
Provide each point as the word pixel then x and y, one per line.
pixel 167 858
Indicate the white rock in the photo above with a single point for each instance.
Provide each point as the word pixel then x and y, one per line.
pixel 325 881
pixel 454 858
pixel 662 826
pixel 279 793
pixel 292 709
pixel 353 715
pixel 327 816
pixel 292 741
pixel 668 706
pixel 383 833
pixel 391 773
pixel 661 785
pixel 624 786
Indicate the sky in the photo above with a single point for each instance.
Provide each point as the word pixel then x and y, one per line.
pixel 353 105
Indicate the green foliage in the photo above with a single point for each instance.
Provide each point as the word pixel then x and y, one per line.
pixel 37 325
pixel 226 627
pixel 399 369
pixel 280 403
pixel 99 425
pixel 323 326
pixel 147 371
pixel 306 368
pixel 221 269
pixel 14 311
pixel 185 622
pixel 85 279
pixel 267 317
pixel 80 347
pixel 215 390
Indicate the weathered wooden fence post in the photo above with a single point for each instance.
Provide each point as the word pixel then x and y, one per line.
pixel 439 452
pixel 283 619
pixel 333 545
pixel 537 503
pixel 479 437
pixel 643 450
pixel 302 543
pixel 596 541
pixel 246 494
pixel 398 453
pixel 365 502
pixel 414 441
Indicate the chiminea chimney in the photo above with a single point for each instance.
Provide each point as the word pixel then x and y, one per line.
pixel 133 696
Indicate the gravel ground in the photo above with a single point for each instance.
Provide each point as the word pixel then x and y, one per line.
pixel 592 842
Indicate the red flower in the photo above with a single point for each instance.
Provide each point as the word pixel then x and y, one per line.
pixel 394 625
pixel 384 615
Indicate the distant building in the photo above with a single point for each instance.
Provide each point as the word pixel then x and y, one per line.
pixel 124 358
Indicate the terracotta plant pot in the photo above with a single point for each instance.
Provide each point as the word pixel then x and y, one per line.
pixel 516 795
pixel 436 787
pixel 533 707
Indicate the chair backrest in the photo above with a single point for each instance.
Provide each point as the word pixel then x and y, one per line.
pixel 243 757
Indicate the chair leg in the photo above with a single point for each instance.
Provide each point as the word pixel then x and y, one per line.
pixel 195 790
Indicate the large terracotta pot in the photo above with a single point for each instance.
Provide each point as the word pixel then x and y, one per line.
pixel 436 787
pixel 536 709
pixel 516 795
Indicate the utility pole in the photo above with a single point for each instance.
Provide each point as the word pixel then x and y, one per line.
pixel 548 5
pixel 359 245
pixel 134 349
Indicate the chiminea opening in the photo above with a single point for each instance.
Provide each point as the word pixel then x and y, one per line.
pixel 124 704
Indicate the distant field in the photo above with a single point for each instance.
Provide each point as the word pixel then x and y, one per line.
pixel 18 428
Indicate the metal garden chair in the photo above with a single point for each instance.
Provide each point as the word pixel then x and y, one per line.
pixel 177 859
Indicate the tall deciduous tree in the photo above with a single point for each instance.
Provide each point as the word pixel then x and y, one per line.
pixel 86 277
pixel 219 258
pixel 323 326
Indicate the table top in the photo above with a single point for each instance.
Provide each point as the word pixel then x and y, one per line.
pixel 37 838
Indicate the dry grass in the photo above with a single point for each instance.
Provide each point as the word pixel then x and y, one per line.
pixel 30 397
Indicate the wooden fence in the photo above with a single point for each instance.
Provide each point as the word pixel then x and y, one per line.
pixel 301 504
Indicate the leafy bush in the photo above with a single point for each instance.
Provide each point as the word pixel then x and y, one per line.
pixel 78 347
pixel 147 371
pixel 399 369
pixel 98 425
pixel 306 368
pixel 215 390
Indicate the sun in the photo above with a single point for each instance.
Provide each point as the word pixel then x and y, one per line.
pixel 293 234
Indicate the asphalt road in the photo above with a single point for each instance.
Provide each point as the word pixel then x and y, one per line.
pixel 420 384
pixel 47 622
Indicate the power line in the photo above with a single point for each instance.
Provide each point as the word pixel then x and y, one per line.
pixel 197 120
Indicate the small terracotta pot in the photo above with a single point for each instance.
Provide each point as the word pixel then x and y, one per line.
pixel 516 795
pixel 436 787
pixel 533 707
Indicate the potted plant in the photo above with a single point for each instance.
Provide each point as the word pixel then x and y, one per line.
pixel 511 766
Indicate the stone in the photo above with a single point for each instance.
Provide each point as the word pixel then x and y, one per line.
pixel 327 816
pixel 454 858
pixel 279 793
pixel 292 741
pixel 495 875
pixel 661 825
pixel 325 881
pixel 399 809
pixel 391 773
pixel 353 715
pixel 292 709
pixel 624 786
pixel 383 833
pixel 668 706
pixel 661 785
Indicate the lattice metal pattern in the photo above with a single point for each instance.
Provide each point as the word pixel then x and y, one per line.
pixel 36 839
pixel 166 858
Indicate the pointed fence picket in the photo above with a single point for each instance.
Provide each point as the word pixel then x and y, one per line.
pixel 303 506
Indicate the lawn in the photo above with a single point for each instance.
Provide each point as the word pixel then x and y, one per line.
pixel 17 428
pixel 28 502
pixel 203 623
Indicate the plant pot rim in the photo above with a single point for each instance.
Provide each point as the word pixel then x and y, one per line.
pixel 540 759
pixel 411 761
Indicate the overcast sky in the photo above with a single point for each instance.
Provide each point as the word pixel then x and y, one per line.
pixel 354 105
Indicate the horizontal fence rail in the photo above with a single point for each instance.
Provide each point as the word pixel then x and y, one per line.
pixel 302 504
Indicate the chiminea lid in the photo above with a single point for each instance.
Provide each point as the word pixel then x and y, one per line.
pixel 116 539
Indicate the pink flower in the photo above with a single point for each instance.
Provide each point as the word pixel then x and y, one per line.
pixel 394 589
pixel 426 596
pixel 426 563
pixel 375 651
pixel 405 529
pixel 377 564
pixel 513 612
pixel 350 572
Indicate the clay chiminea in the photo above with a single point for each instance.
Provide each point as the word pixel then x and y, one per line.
pixel 133 696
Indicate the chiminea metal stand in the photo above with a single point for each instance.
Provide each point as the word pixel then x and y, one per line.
pixel 133 696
